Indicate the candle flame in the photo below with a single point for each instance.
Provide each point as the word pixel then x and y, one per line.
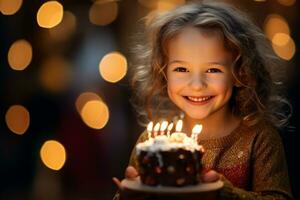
pixel 169 129
pixel 163 126
pixel 179 126
pixel 170 126
pixel 149 129
pixel 156 127
pixel 150 126
pixel 197 129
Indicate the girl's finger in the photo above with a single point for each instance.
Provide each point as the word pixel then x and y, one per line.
pixel 117 182
pixel 211 176
pixel 131 172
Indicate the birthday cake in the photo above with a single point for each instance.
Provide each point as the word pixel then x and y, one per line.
pixel 170 160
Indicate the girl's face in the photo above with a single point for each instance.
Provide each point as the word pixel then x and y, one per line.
pixel 199 74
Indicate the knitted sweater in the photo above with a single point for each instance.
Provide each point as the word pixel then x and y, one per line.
pixel 252 162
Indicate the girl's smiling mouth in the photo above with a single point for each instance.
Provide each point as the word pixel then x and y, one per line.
pixel 198 100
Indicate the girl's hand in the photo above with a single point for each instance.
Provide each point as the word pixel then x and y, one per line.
pixel 130 173
pixel 210 176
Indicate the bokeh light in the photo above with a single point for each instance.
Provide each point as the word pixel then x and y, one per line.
pixel 95 114
pixel 83 98
pixel 284 46
pixel 103 12
pixel 65 29
pixel 53 154
pixel 17 119
pixel 10 7
pixel 275 24
pixel 19 55
pixel 113 67
pixel 55 74
pixel 50 14
pixel 167 5
pixel 281 39
pixel 287 2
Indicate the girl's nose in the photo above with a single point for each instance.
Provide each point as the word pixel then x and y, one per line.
pixel 198 82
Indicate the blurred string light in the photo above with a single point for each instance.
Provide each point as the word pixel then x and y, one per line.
pixel 158 7
pixel 161 5
pixel 103 12
pixel 50 14
pixel 167 5
pixel 55 74
pixel 65 29
pixel 17 119
pixel 10 7
pixel 95 114
pixel 53 154
pixel 287 2
pixel 84 98
pixel 275 24
pixel 284 46
pixel 19 55
pixel 113 67
pixel 281 39
pixel 278 31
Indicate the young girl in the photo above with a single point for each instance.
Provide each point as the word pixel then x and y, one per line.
pixel 212 63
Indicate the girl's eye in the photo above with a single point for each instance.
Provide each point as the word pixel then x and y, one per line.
pixel 214 70
pixel 180 69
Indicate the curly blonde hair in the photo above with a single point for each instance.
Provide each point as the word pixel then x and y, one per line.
pixel 255 68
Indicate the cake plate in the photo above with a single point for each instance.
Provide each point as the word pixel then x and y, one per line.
pixel 136 185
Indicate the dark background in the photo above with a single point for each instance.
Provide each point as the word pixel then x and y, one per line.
pixel 93 156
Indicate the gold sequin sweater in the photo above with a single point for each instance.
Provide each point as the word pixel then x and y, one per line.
pixel 251 161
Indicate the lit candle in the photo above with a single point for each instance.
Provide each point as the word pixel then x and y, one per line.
pixel 149 129
pixel 178 126
pixel 156 129
pixel 178 136
pixel 169 129
pixel 196 131
pixel 163 127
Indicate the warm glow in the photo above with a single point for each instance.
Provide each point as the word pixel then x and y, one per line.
pixel 84 98
pixel 19 55
pixel 179 125
pixel 287 2
pixel 50 14
pixel 17 119
pixel 95 114
pixel 113 67
pixel 275 24
pixel 285 51
pixel 66 28
pixel 281 39
pixel 10 7
pixel 53 154
pixel 55 74
pixel 103 12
